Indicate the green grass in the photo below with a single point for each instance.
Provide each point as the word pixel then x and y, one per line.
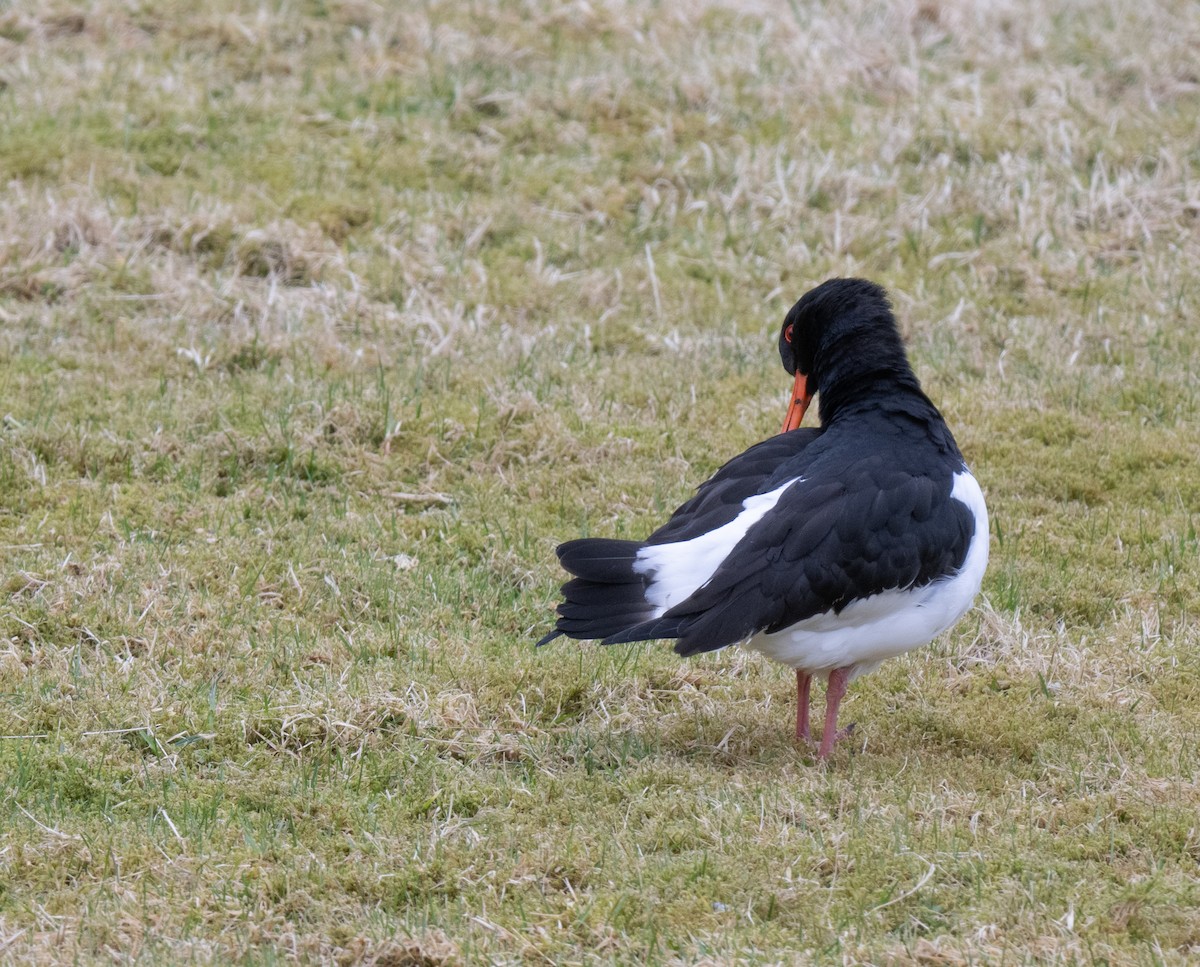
pixel 321 323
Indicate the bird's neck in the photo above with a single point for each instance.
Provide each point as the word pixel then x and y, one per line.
pixel 888 397
pixel 869 391
pixel 858 373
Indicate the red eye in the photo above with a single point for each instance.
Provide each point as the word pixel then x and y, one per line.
pixel 787 334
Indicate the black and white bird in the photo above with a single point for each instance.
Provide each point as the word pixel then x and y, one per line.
pixel 825 549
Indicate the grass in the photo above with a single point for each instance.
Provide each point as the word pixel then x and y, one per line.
pixel 324 321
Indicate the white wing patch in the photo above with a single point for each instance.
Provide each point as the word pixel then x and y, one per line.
pixel 679 569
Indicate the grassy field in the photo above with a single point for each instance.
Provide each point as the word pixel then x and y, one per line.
pixel 323 321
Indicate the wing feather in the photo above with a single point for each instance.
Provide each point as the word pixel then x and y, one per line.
pixel 823 546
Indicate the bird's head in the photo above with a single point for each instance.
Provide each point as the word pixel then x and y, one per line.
pixel 835 329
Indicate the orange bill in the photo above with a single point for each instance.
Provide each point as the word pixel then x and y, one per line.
pixel 800 399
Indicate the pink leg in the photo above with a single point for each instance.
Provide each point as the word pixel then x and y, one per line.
pixel 836 691
pixel 803 683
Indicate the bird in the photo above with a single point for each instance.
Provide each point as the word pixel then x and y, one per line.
pixel 827 549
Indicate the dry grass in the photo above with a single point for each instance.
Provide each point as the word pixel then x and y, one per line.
pixel 323 321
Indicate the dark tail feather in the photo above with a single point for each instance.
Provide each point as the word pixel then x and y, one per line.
pixel 600 559
pixel 645 631
pixel 606 597
pixel 581 592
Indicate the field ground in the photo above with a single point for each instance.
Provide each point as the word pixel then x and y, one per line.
pixel 322 321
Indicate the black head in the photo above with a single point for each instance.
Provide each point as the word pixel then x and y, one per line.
pixel 842 338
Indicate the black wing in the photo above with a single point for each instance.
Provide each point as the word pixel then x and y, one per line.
pixel 830 539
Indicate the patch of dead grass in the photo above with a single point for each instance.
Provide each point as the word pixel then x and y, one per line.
pixel 322 330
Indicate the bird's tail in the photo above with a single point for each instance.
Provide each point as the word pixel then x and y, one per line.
pixel 606 597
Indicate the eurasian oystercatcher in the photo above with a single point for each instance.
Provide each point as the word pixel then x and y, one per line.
pixel 825 549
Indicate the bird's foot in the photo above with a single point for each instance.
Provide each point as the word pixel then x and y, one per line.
pixel 829 739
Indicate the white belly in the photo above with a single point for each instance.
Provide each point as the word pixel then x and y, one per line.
pixel 887 624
